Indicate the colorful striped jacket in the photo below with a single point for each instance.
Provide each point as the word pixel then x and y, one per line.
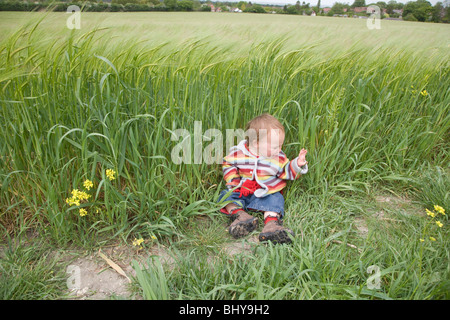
pixel 270 173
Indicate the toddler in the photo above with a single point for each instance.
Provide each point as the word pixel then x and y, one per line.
pixel 256 171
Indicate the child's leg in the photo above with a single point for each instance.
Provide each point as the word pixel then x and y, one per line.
pixel 243 223
pixel 237 202
pixel 271 216
pixel 230 207
pixel 273 208
pixel 270 205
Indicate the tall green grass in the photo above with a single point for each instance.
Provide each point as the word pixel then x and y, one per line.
pixel 314 266
pixel 73 107
pixel 30 272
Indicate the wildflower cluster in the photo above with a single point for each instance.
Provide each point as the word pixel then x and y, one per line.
pixel 83 212
pixel 77 197
pixel 80 196
pixel 414 91
pixel 438 210
pixel 88 184
pixel 138 242
pixel 110 174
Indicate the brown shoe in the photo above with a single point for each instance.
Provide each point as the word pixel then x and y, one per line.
pixel 273 231
pixel 242 224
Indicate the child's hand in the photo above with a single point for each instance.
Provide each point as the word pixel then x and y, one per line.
pixel 301 161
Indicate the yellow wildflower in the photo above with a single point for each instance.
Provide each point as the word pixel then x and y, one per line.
pixel 80 195
pixel 432 239
pixel 439 209
pixel 439 224
pixel 153 237
pixel 137 242
pixel 75 193
pixel 72 201
pixel 83 212
pixel 110 174
pixel 83 195
pixel 88 184
pixel 77 196
pixel 424 93
pixel 430 213
pixel 421 240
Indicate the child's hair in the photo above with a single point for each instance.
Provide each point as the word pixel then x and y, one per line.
pixel 260 125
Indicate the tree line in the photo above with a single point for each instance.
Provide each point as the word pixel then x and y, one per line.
pixel 419 10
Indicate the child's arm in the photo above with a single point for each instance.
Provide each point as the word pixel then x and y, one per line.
pixel 230 174
pixel 301 159
pixel 295 168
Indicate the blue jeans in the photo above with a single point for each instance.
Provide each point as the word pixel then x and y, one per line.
pixel 272 202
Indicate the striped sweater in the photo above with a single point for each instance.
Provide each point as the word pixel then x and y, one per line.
pixel 270 173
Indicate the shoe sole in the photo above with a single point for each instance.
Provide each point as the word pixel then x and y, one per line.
pixel 279 236
pixel 243 228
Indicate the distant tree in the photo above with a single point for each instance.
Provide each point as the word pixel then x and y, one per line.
pixel 171 5
pixel 420 9
pixel 437 12
pixel 381 4
pixel 393 5
pixel 290 9
pixel 337 8
pixel 185 5
pixel 446 17
pixel 390 7
pixel 196 3
pixel 359 3
pixel 124 2
pixel 256 8
pixel 409 17
pixel 205 7
pixel 397 5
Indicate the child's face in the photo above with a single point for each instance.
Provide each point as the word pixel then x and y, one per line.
pixel 269 144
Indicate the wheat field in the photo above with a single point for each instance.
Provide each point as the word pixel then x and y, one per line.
pixel 371 107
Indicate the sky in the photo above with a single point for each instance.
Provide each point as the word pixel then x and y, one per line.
pixel 329 3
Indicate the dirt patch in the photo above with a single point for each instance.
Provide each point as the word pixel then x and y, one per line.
pixel 387 210
pixel 361 227
pixel 389 205
pixel 106 276
pixel 401 202
pixel 97 281
pixel 240 246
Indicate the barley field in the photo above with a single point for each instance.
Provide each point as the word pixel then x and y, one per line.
pixel 87 120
